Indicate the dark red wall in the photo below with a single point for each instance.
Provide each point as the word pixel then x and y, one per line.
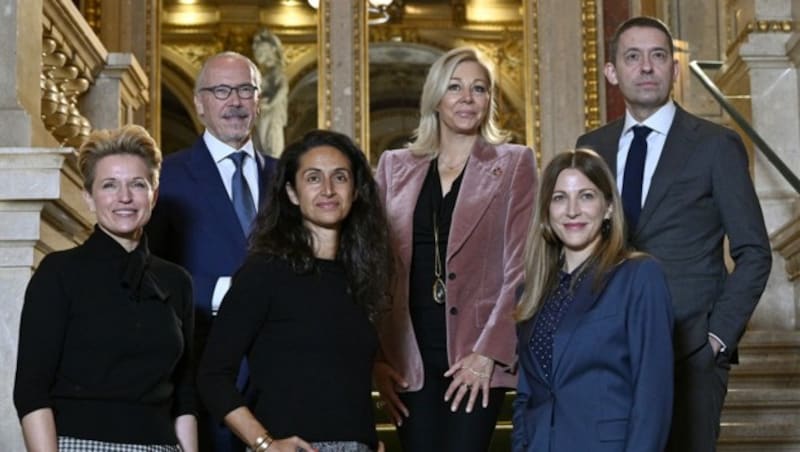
pixel 614 13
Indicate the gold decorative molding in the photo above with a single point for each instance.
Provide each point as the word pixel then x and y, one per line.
pixel 293 53
pixel 402 33
pixel 508 59
pixel 196 54
pixel 533 133
pixel 762 26
pixel 324 100
pixel 93 12
pixel 591 73
pixel 361 76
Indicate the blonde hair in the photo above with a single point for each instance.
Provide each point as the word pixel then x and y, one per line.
pixel 426 136
pixel 543 248
pixel 130 140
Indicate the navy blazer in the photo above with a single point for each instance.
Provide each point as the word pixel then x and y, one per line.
pixel 194 223
pixel 611 384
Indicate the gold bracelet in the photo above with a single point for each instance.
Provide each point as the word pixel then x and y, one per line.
pixel 264 446
pixel 262 442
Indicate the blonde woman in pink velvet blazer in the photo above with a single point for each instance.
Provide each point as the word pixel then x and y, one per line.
pixel 459 203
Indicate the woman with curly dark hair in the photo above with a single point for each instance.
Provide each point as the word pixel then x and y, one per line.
pixel 301 307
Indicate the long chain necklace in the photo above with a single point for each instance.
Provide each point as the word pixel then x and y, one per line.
pixel 439 288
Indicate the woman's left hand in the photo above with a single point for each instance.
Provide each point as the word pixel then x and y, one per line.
pixel 471 374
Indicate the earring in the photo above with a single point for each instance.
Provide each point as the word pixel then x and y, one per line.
pixel 605 227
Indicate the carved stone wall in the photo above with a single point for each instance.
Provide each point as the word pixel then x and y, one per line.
pixel 57 81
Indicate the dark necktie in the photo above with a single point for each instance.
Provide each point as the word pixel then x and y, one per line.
pixel 634 175
pixel 240 191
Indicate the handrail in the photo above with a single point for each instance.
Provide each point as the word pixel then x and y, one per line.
pixel 697 69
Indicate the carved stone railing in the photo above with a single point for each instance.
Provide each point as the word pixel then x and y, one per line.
pixel 83 85
pixel 71 57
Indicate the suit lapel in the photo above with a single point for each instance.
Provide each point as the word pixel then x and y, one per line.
pixel 482 177
pixel 674 156
pixel 203 171
pixel 408 177
pixel 583 301
pixel 608 144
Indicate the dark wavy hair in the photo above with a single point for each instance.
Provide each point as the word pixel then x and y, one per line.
pixel 364 248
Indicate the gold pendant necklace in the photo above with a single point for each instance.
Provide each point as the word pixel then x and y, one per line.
pixel 439 288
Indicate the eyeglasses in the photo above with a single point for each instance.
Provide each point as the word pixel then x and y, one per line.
pixel 222 92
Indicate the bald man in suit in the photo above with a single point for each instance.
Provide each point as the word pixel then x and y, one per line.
pixel 196 222
pixel 686 186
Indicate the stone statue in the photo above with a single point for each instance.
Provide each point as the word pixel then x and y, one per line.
pixel 273 92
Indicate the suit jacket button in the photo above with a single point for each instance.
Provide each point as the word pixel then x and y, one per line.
pixel 454 310
pixel 451 276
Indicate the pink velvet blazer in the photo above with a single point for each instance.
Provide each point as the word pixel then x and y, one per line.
pixel 484 256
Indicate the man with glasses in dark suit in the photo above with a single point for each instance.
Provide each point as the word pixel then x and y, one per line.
pixel 209 196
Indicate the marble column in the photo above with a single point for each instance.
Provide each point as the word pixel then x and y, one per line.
pixel 134 26
pixel 118 92
pixel 561 81
pixel 19 111
pixel 343 67
pixel 40 205
pixel 771 54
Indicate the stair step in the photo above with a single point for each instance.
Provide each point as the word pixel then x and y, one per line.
pixel 759 437
pixel 766 339
pixel 781 373
pixel 762 405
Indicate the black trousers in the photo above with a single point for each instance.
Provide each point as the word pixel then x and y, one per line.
pixel 701 382
pixel 432 427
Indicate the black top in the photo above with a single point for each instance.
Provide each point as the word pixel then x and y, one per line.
pixel 427 316
pixel 310 349
pixel 104 343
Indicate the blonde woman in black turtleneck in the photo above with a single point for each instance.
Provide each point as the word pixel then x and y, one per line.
pixel 104 358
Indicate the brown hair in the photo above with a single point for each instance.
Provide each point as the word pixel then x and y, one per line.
pixel 544 249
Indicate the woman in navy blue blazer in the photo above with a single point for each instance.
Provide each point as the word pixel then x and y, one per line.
pixel 595 323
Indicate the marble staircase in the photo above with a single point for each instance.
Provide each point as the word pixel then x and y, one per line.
pixel 762 409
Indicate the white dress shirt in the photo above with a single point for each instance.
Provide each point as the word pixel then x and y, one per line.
pixel 220 152
pixel 659 122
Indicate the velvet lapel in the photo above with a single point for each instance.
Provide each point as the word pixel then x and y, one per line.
pixel 675 155
pixel 584 300
pixel 482 177
pixel 408 176
pixel 203 171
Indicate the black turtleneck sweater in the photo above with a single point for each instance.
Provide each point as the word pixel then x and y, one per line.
pixel 105 343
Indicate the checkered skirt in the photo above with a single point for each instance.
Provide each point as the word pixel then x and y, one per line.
pixel 69 444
